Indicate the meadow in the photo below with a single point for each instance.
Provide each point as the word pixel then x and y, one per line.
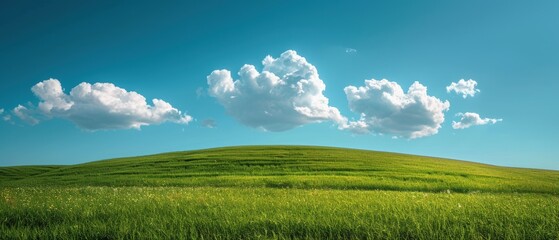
pixel 278 192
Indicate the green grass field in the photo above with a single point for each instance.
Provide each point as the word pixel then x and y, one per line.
pixel 278 192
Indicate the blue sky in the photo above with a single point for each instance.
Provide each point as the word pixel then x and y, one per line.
pixel 167 51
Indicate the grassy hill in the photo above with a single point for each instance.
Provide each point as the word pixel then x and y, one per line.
pixel 278 192
pixel 290 167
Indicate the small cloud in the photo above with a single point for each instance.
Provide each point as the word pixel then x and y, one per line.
pixel 6 117
pixel 25 115
pixel 350 50
pixel 466 88
pixel 209 123
pixel 472 119
pixel 98 106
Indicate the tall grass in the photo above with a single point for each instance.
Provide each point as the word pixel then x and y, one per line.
pixel 247 213
pixel 278 192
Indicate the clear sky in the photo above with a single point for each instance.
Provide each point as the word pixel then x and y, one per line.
pixel 74 76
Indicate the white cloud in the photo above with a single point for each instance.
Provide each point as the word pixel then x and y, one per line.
pixel 52 95
pixel 386 109
pixel 6 117
pixel 350 50
pixel 287 93
pixel 466 88
pixel 472 119
pixel 25 115
pixel 100 106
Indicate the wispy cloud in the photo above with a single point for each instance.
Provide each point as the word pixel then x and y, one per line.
pixel 6 117
pixel 470 119
pixel 25 115
pixel 209 123
pixel 350 50
pixel 200 92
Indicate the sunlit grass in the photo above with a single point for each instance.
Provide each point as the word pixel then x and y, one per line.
pixel 288 166
pixel 185 212
pixel 278 193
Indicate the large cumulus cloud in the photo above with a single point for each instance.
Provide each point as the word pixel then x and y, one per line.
pixel 287 93
pixel 385 108
pixel 98 106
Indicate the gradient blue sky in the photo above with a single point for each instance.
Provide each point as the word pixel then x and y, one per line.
pixel 166 51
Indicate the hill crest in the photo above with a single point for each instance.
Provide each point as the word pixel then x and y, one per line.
pixel 289 167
